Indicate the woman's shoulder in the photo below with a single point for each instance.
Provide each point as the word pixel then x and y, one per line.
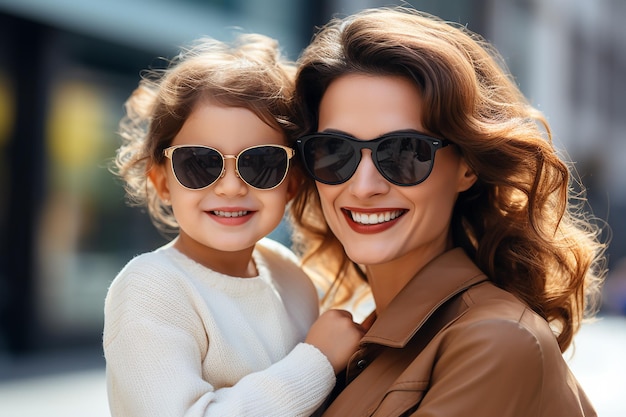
pixel 504 320
pixel 504 347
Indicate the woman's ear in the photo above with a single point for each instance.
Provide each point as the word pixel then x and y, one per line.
pixel 158 178
pixel 467 176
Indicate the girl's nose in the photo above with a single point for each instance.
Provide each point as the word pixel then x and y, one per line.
pixel 229 184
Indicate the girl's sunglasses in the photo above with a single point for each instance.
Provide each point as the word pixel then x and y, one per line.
pixel 262 167
pixel 403 158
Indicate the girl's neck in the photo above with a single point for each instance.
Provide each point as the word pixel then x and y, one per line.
pixel 238 264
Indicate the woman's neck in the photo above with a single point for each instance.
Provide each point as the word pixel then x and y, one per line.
pixel 388 279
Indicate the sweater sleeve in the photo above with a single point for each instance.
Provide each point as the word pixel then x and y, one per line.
pixel 294 386
pixel 154 343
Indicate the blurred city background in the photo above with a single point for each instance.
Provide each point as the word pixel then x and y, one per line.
pixel 66 68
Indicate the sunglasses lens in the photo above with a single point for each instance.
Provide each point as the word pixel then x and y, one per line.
pixel 330 160
pixel 263 167
pixel 405 160
pixel 196 167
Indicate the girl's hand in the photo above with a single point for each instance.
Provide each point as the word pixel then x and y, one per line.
pixel 337 336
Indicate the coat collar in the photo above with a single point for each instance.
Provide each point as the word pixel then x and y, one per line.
pixel 441 279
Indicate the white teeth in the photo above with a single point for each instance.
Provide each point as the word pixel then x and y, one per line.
pixel 221 213
pixel 375 218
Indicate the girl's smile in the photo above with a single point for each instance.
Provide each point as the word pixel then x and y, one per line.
pixel 232 216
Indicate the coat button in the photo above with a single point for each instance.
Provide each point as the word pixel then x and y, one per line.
pixel 361 364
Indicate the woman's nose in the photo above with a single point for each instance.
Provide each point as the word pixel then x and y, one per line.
pixel 367 181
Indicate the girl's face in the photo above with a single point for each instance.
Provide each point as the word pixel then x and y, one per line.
pixel 414 220
pixel 228 216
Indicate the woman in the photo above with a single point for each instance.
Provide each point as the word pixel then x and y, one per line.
pixel 435 183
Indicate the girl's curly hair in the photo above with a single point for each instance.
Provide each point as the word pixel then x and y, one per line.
pixel 250 72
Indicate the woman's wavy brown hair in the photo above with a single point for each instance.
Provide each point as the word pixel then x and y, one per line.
pixel 250 72
pixel 521 222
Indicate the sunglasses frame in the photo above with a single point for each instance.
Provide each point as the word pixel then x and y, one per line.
pixel 372 144
pixel 169 152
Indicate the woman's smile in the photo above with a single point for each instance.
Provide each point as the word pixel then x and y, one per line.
pixel 372 220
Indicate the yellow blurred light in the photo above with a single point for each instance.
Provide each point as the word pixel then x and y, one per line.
pixel 76 125
pixel 7 109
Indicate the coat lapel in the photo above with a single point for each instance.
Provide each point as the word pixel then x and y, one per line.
pixel 441 279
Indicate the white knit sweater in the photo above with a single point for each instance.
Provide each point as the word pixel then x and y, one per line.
pixel 183 340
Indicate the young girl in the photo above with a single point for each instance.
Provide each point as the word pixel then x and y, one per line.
pixel 212 323
pixel 431 175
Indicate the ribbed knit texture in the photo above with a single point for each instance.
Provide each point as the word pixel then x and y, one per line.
pixel 183 340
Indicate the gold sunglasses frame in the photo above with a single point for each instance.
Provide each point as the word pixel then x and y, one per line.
pixel 168 153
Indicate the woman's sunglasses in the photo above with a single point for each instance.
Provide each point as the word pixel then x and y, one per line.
pixel 262 167
pixel 403 158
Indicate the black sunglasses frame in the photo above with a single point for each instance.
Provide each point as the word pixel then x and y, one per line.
pixel 289 153
pixel 372 144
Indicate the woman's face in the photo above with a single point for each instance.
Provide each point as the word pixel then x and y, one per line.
pixel 376 221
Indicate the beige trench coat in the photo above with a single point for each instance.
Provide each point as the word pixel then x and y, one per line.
pixel 453 344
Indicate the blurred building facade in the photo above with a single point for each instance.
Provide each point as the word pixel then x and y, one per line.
pixel 67 66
